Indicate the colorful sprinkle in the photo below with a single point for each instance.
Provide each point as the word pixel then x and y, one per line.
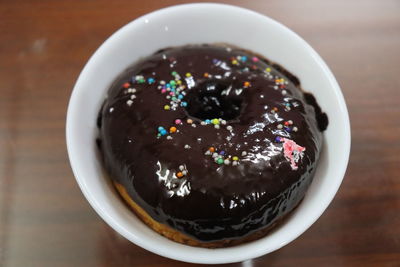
pixel 235 158
pixel 178 121
pixel 211 149
pixel 179 174
pixel 190 121
pixel 268 69
pixel 188 74
pixel 246 84
pixel 215 121
pixel 167 107
pixel 151 80
pixel 172 129
pixel 126 85
pixel 255 59
pixel 206 74
pixel 220 160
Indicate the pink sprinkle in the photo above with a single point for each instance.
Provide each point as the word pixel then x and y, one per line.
pixel 171 93
pixel 293 152
pixel 255 59
pixel 178 121
pixel 163 91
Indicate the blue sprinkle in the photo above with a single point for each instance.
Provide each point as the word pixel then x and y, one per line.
pixel 163 132
pixel 160 128
pixel 277 139
pixel 184 104
pixel 288 129
pixel 208 121
pixel 168 85
pixel 222 153
pixel 215 61
pixel 150 80
pixel 172 90
pixel 180 96
pixel 244 58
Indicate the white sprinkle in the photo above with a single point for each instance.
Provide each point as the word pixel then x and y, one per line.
pixel 227 161
pixel 280 126
pixel 215 155
pixel 223 122
pixel 290 122
pixel 229 128
pixel 295 129
pixel 181 167
pixel 275 87
pixel 129 102
pixel 203 123
pixel 244 153
pixel 184 173
pixel 193 125
pixel 169 137
pixel 208 152
pixel 168 97
pixel 187 146
pixel 133 96
pixel 162 82
pixel 234 163
pixel 216 126
pixel 284 92
pixel 111 110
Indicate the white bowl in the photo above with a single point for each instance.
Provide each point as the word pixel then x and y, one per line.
pixel 192 24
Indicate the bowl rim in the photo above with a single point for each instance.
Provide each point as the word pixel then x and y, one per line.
pixel 216 255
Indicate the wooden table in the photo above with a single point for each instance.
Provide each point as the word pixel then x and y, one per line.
pixel 44 218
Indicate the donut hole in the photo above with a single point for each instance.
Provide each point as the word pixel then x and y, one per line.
pixel 213 99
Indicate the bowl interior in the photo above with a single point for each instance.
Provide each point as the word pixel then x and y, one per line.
pixel 193 24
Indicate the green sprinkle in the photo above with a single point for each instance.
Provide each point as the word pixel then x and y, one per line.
pixel 220 160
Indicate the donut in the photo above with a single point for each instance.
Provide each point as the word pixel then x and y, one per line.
pixel 210 145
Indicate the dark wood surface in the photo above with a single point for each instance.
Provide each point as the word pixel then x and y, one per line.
pixel 44 218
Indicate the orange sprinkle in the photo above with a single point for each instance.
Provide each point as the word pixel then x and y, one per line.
pixel 211 149
pixel 179 174
pixel 275 109
pixel 206 74
pixel 126 85
pixel 247 84
pixel 172 129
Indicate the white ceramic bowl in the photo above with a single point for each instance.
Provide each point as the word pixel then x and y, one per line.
pixel 192 24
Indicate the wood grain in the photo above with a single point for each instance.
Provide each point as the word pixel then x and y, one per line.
pixel 44 218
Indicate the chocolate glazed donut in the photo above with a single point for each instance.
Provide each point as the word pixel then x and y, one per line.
pixel 210 145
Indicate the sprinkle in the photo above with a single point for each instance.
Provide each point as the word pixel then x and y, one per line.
pixel 150 80
pixel 246 84
pixel 278 139
pixel 235 158
pixel 179 174
pixel 207 121
pixel 280 126
pixel 255 59
pixel 186 146
pixel 160 128
pixel 172 83
pixel 203 123
pixel 190 121
pixel 126 85
pixel 243 58
pixel 222 153
pixel 220 160
pixel 166 107
pixel 216 126
pixel 290 122
pixel 286 123
pixel 235 62
pixel 215 121
pixel 194 125
pixel 244 153
pixel 174 73
pixel 163 132
pixel 180 96
pixel 211 149
pixel 163 91
pixel 129 102
pixel 206 74
pixel 188 74
pixel 284 92
pixel 172 129
pixel 234 163
pixel 207 152
pixel 178 121
pixel 169 137
pixel 133 96
pixel 223 122
pixel 268 69
pixel 181 167
pixel 229 128
pixel 184 104
pixel 295 129
pixel 227 162
pixel 215 155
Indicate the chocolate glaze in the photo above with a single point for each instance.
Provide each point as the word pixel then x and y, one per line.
pixel 213 201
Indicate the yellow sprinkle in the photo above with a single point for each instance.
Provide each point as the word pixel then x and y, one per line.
pixel 215 121
pixel 166 107
pixel 268 69
pixel 179 82
pixel 235 158
pixel 188 74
